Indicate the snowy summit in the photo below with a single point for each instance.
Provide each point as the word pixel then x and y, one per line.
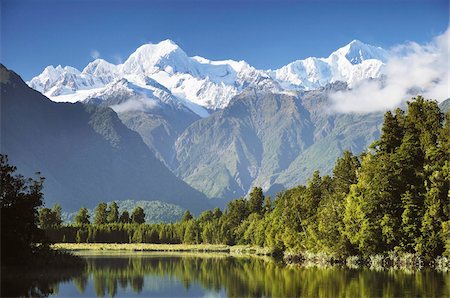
pixel 201 84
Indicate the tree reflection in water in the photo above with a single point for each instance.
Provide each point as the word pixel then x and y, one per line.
pixel 245 277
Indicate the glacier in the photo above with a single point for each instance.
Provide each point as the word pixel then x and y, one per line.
pixel 203 85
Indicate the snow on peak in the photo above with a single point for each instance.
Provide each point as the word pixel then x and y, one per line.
pixel 163 56
pixel 351 64
pixel 356 52
pixel 206 83
pixel 99 66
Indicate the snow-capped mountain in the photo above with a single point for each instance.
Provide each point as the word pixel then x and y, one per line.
pixel 200 83
pixel 351 64
pixel 150 109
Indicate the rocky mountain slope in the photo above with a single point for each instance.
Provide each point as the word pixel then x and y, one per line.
pixel 85 152
pixel 272 140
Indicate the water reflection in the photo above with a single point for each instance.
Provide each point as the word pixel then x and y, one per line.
pixel 218 275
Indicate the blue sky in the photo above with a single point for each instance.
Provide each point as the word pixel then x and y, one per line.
pixel 267 34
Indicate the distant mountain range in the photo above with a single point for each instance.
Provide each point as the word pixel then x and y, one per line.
pixel 202 84
pixel 225 126
pixel 221 126
pixel 85 152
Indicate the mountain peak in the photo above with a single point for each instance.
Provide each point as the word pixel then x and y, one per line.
pixel 148 58
pixel 155 50
pixel 357 51
pixel 101 69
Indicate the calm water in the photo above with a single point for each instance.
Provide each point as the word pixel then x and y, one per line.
pixel 185 275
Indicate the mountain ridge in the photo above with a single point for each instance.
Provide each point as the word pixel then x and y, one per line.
pixel 211 84
pixel 85 152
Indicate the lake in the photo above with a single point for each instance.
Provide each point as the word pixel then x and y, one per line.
pixel 221 275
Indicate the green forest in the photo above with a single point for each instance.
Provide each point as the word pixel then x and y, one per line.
pixel 394 197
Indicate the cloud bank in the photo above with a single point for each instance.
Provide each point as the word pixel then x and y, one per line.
pixel 411 70
pixel 136 104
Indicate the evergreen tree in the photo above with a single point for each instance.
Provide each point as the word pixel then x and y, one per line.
pixel 187 216
pixel 267 206
pixel 82 217
pixel 113 213
pixel 255 201
pixel 208 233
pixel 437 201
pixel 125 217
pixel 45 218
pixel 205 217
pixel 57 221
pixel 19 200
pixel 192 233
pixel 217 213
pixel 50 218
pixel 392 132
pixel 344 173
pixel 101 214
pixel 410 217
pixel 364 208
pixel 138 215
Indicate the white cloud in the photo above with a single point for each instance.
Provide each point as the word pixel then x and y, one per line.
pixel 95 54
pixel 412 70
pixel 136 104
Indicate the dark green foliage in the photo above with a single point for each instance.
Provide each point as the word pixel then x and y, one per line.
pixel 82 217
pixel 125 217
pixel 101 214
pixel 256 200
pixel 50 217
pixel 187 216
pixel 393 198
pixel 217 213
pixel 138 215
pixel 113 213
pixel 20 199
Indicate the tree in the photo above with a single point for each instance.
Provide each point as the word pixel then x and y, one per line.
pixel 113 213
pixel 45 218
pixel 138 215
pixel 208 233
pixel 410 216
pixel 20 199
pixel 101 214
pixel 186 216
pixel 255 201
pixel 344 173
pixel 49 218
pixel 57 221
pixel 217 213
pixel 192 232
pixel 82 217
pixel 204 217
pixel 392 132
pixel 267 207
pixel 125 217
pixel 437 204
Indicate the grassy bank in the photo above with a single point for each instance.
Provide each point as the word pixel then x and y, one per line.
pixel 236 249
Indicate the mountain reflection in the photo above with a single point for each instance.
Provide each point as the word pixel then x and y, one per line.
pixel 197 275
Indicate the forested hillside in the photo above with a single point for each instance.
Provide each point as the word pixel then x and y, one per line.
pixel 394 197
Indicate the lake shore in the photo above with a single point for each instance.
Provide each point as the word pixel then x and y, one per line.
pixel 150 247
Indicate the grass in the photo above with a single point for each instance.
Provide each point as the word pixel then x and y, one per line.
pixel 140 247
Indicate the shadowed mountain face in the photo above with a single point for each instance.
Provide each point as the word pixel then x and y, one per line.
pixel 85 153
pixel 154 113
pixel 272 140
